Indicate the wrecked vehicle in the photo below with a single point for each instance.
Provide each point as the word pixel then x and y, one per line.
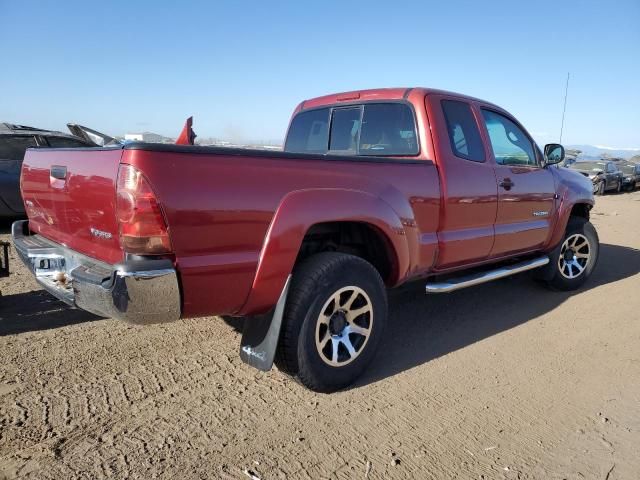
pixel 604 175
pixel 631 175
pixel 14 141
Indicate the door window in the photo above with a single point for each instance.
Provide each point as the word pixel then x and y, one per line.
pixel 510 144
pixel 464 135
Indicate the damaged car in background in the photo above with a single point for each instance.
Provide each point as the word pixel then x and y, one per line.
pixel 631 175
pixel 14 141
pixel 604 175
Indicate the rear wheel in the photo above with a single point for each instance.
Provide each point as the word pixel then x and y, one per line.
pixel 334 320
pixel 573 261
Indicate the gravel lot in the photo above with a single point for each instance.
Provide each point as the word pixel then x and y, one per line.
pixel 505 380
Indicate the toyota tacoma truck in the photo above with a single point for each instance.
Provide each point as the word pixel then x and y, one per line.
pixel 374 188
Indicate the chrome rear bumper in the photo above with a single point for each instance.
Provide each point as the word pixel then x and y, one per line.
pixel 138 291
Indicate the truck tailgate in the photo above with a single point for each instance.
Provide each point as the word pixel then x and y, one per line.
pixel 70 198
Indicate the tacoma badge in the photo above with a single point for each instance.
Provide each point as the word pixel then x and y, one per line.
pixel 100 234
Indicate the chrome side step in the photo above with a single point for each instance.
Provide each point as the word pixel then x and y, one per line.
pixel 483 277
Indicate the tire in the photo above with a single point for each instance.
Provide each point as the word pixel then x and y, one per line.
pixel 619 187
pixel 566 273
pixel 601 188
pixel 319 319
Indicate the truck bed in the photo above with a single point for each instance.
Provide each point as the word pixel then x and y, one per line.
pixel 221 202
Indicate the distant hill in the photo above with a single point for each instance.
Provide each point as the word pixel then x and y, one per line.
pixel 593 151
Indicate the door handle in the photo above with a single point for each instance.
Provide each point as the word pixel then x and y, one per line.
pixel 506 184
pixel 59 172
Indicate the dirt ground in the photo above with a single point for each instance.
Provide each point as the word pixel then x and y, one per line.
pixel 505 380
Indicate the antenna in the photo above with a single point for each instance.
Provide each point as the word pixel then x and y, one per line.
pixel 564 109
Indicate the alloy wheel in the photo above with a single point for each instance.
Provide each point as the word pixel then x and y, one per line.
pixel 344 326
pixel 575 254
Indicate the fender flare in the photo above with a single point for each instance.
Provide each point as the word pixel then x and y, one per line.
pixel 565 207
pixel 299 211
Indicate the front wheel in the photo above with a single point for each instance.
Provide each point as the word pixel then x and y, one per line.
pixel 334 320
pixel 573 261
pixel 601 188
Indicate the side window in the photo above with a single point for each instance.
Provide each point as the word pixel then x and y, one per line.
pixel 611 168
pixel 464 135
pixel 345 126
pixel 63 142
pixel 509 143
pixel 309 132
pixel 13 148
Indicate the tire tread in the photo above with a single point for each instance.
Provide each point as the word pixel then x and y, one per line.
pixel 306 280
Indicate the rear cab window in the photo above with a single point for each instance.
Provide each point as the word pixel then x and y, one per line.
pixel 309 132
pixel 370 129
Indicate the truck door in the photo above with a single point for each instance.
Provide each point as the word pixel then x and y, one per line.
pixel 526 191
pixel 467 183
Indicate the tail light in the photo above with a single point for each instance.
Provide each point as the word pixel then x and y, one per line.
pixel 143 229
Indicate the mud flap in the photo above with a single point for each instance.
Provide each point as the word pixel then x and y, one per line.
pixel 261 333
pixel 547 272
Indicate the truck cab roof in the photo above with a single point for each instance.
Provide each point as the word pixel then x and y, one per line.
pixel 382 94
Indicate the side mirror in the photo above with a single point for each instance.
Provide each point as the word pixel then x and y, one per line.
pixel 553 153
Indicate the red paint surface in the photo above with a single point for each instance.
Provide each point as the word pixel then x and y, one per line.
pixel 65 210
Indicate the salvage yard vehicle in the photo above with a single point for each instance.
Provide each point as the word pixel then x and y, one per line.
pixel 374 188
pixel 604 175
pixel 631 175
pixel 14 141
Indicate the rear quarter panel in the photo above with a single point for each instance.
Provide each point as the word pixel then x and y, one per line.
pixel 221 210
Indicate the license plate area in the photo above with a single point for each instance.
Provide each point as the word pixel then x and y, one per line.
pixel 51 270
pixel 48 265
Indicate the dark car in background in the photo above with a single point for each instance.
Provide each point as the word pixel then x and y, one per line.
pixel 631 174
pixel 14 141
pixel 605 175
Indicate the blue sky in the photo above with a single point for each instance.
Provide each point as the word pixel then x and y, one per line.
pixel 241 67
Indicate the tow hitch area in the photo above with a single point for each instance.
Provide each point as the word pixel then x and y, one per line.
pixel 4 266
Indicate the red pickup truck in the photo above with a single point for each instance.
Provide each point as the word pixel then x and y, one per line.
pixel 373 189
